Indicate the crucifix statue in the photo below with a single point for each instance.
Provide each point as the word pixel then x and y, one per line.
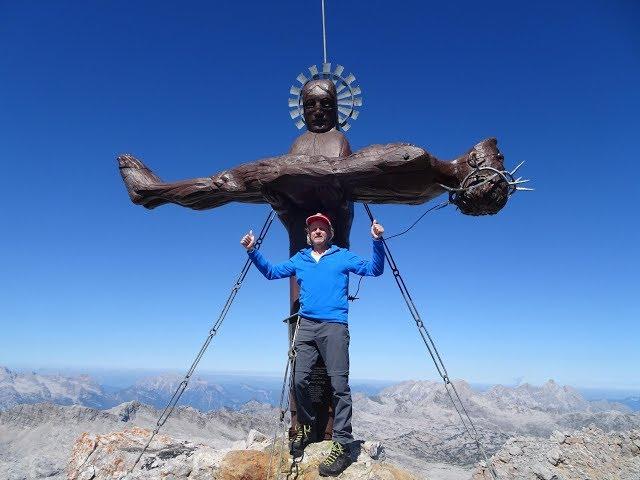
pixel 321 174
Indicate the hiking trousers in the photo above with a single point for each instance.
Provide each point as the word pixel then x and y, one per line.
pixel 329 340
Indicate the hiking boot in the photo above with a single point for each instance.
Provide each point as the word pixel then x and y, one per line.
pixel 301 440
pixel 336 462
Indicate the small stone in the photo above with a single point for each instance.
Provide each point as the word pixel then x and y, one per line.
pixel 514 450
pixel 542 472
pixel 573 440
pixel 554 456
pixel 375 450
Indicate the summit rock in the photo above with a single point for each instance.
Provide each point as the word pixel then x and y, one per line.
pixel 110 456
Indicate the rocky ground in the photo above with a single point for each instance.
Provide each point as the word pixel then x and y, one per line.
pixel 111 456
pixel 36 440
pixel 418 426
pixel 586 454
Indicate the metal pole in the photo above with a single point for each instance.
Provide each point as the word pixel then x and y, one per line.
pixel 324 35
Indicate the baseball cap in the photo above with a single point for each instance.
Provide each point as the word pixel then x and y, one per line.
pixel 319 216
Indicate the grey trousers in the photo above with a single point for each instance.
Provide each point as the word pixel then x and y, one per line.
pixel 331 341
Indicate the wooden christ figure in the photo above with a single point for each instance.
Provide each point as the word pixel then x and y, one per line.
pixel 321 174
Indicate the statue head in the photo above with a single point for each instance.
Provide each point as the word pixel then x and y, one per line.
pixel 320 105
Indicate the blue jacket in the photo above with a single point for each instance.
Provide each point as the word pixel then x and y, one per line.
pixel 324 285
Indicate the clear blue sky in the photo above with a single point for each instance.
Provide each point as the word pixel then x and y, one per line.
pixel 548 288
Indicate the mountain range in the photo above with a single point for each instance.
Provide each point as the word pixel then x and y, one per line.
pixel 27 388
pixel 415 420
pixel 232 392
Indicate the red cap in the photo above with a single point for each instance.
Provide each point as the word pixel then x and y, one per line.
pixel 319 216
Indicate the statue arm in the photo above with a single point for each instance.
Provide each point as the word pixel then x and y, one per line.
pixel 147 189
pixel 393 173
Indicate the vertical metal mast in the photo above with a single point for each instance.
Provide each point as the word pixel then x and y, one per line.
pixel 324 34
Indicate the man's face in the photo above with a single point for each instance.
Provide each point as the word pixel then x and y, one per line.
pixel 319 233
pixel 320 110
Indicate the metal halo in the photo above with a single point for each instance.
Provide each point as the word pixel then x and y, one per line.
pixel 349 94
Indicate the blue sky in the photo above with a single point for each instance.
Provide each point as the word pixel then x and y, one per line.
pixel 545 289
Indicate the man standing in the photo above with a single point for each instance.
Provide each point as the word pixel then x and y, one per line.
pixel 322 273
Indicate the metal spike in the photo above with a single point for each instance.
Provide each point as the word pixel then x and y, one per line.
pixel 517 167
pixel 326 68
pixel 345 127
pixel 338 71
pixel 335 82
pixel 340 88
pixel 342 119
pixel 345 94
pixel 350 79
pixel 313 70
pixel 300 124
pixel 294 113
pixel 356 91
pixel 518 182
pixel 347 102
pixel 294 103
pixel 295 90
pixel 346 111
pixel 357 102
pixel 354 114
pixel 524 189
pixel 302 79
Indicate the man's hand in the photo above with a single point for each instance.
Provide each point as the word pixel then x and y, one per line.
pixel 376 230
pixel 248 240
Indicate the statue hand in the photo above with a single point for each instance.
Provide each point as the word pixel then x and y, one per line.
pixel 137 176
pixel 492 191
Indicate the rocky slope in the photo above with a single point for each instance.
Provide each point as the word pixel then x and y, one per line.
pixel 36 440
pixel 416 422
pixel 109 457
pixel 589 453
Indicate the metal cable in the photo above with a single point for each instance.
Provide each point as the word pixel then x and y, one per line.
pixel 437 207
pixel 284 402
pixel 433 351
pixel 168 410
pixel 355 295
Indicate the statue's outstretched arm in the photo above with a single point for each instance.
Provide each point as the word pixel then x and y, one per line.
pixel 147 189
pixel 393 173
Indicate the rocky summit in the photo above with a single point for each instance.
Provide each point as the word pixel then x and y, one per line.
pixel 110 456
pixel 586 454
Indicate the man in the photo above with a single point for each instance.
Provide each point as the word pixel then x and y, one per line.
pixel 322 273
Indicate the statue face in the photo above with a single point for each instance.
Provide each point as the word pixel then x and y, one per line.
pixel 320 105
